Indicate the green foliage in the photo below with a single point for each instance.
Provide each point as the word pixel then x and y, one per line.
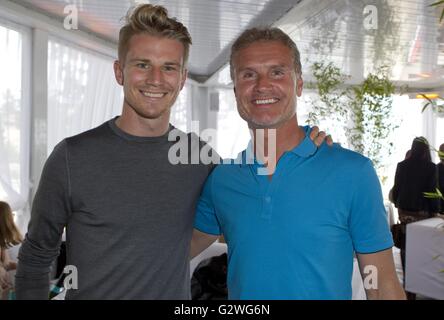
pixel 371 115
pixel 437 4
pixel 329 83
pixel 363 110
pixel 434 195
pixel 386 40
pixel 436 104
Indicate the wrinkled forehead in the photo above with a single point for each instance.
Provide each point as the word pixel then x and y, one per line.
pixel 152 47
pixel 269 52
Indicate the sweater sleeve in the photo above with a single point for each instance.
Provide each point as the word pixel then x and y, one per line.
pixel 49 215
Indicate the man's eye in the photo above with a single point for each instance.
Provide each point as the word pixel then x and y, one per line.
pixel 277 73
pixel 142 65
pixel 248 75
pixel 169 68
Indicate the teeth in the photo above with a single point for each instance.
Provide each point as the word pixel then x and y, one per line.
pixel 152 94
pixel 265 101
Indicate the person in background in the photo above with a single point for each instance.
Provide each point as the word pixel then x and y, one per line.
pixel 407 155
pixel 9 236
pixel 441 176
pixel 414 176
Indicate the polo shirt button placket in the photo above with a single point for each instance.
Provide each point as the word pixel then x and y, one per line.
pixel 267 207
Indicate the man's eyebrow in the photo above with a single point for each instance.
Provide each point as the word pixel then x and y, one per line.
pixel 283 66
pixel 173 63
pixel 273 66
pixel 148 61
pixel 140 60
pixel 246 69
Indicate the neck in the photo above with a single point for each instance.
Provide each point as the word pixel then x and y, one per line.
pixel 135 125
pixel 271 143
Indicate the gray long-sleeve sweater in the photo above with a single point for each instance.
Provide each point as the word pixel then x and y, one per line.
pixel 128 214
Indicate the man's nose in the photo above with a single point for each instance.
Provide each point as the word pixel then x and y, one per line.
pixel 154 76
pixel 263 83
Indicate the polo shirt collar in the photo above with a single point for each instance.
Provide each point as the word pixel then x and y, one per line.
pixel 304 149
pixel 307 147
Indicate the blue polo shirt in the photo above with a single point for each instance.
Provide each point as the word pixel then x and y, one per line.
pixel 294 237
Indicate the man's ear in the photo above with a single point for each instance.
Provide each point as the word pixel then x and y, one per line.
pixel 184 78
pixel 118 72
pixel 299 86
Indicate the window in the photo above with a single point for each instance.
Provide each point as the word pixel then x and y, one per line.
pixel 82 91
pixel 232 130
pixel 181 111
pixel 408 116
pixel 14 116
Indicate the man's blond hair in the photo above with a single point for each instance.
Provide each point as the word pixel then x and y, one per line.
pixel 253 35
pixel 152 20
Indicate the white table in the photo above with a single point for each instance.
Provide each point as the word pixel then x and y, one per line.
pixel 425 258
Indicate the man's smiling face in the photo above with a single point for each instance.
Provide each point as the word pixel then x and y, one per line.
pixel 152 75
pixel 266 84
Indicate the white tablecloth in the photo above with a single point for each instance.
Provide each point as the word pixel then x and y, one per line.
pixel 425 258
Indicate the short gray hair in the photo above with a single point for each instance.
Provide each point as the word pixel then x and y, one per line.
pixel 250 36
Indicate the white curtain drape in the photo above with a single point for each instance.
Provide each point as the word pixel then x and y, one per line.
pixel 14 117
pixel 181 111
pixel 82 90
pixel 232 131
pixel 83 93
pixel 429 125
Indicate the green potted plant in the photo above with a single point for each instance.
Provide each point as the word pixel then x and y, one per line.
pixel 371 108
pixel 364 110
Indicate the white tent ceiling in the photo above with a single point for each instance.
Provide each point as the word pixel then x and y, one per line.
pixel 408 37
